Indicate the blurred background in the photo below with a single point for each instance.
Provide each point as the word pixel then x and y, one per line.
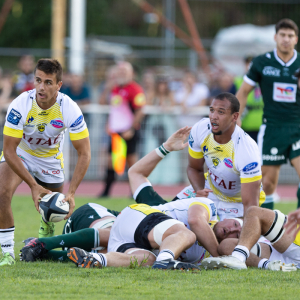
pixel 183 54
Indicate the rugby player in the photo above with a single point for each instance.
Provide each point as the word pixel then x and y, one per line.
pixel 197 214
pixel 260 221
pixel 233 180
pixel 279 135
pixel 33 139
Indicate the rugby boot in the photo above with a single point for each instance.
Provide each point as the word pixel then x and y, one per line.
pixel 83 259
pixel 170 264
pixel 33 250
pixel 7 260
pixel 223 262
pixel 277 265
pixel 46 229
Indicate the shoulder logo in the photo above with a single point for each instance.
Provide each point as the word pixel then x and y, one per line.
pixel 30 119
pixel 250 166
pixel 213 209
pixel 271 71
pixel 191 140
pixel 208 126
pixel 57 123
pixel 14 117
pixel 205 149
pixel 228 163
pixel 91 217
pixel 268 55
pixel 78 121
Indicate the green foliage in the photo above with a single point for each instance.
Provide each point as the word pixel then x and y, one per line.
pixel 50 280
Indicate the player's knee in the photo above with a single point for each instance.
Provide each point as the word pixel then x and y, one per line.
pixel 276 230
pixel 5 196
pixel 269 185
pixel 188 236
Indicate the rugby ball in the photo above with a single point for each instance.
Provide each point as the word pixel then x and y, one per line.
pixel 52 208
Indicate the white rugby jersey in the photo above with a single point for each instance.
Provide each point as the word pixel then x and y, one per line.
pixel 179 210
pixel 229 164
pixel 42 131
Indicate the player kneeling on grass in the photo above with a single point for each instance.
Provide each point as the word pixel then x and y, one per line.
pixel 260 221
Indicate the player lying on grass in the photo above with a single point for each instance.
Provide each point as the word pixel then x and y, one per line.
pixel 260 221
pixel 233 180
pixel 195 213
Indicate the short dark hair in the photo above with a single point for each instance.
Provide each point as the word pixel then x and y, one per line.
pixel 235 104
pixel 50 66
pixel 287 23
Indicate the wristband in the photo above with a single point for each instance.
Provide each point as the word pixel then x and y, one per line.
pixel 162 151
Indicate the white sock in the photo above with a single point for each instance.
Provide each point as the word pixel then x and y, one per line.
pixel 101 258
pixel 241 253
pixel 269 198
pixel 7 240
pixel 263 263
pixel 165 254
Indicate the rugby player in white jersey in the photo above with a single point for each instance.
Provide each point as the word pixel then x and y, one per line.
pixel 233 180
pixel 33 139
pixel 259 221
pixel 134 234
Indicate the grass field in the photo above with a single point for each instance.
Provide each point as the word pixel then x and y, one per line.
pixel 50 280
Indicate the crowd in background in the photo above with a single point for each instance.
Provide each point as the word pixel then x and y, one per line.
pixel 182 88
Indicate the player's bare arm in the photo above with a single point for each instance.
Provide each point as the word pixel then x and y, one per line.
pixel 139 172
pixel 250 192
pixel 198 220
pixel 195 172
pixel 84 156
pixel 10 145
pixel 242 95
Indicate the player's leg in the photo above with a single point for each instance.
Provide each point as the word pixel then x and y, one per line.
pixel 9 182
pixel 296 164
pixel 270 176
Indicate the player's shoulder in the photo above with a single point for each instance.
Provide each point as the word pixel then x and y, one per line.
pixel 23 103
pixel 242 140
pixel 203 125
pixel 66 102
pixel 200 131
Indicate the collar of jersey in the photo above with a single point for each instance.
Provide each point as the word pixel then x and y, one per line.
pixel 282 62
pixel 42 108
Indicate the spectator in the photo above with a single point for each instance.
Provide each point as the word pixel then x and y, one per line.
pixel 107 86
pixel 66 80
pixel 127 100
pixel 24 79
pixel 253 113
pixel 192 94
pixel 148 83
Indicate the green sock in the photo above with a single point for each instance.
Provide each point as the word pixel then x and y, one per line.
pixel 298 195
pixel 269 202
pixel 57 255
pixel 86 239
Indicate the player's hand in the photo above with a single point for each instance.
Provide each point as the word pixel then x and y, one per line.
pixel 293 220
pixel 176 141
pixel 203 193
pixel 70 198
pixel 38 192
pixel 127 135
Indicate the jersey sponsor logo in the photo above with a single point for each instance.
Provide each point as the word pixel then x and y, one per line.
pixel 30 119
pixel 77 122
pixel 191 140
pixel 76 129
pixel 230 185
pixel 215 161
pixel 46 173
pixel 274 151
pixel 218 149
pixel 271 71
pixel 189 193
pixel 250 167
pixel 296 146
pixel 41 141
pixel 213 209
pixel 205 149
pixel 57 123
pixel 43 113
pixel 228 163
pixel 273 157
pixel 14 117
pixel 41 127
pixel 91 217
pixel 229 210
pixel 22 158
pixel 284 92
pixel 56 172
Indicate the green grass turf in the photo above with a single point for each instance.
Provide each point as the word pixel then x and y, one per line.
pixel 51 280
